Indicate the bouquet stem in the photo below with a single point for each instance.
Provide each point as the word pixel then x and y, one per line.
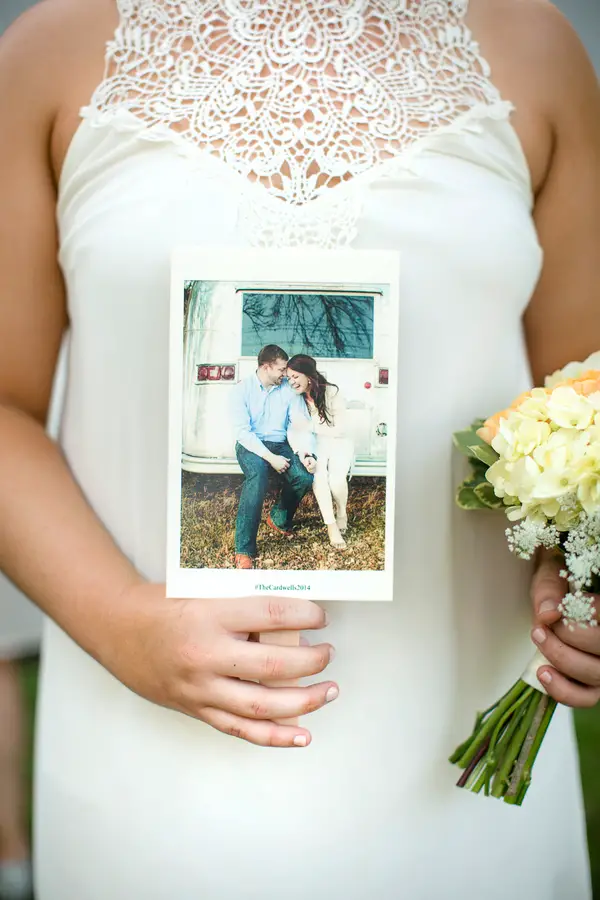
pixel 499 755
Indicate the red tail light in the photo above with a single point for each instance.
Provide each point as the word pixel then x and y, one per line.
pixel 384 376
pixel 216 373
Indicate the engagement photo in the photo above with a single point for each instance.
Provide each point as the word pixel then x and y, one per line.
pixel 296 504
pixel 286 397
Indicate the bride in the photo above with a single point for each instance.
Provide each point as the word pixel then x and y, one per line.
pixel 465 137
pixel 334 448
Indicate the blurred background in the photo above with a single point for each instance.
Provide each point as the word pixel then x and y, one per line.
pixel 21 624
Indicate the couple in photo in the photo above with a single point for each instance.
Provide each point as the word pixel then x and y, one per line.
pixel 289 418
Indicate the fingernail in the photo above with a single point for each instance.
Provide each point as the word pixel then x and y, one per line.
pixel 326 619
pixel 300 740
pixel 547 606
pixel 331 654
pixel 331 694
pixel 546 677
pixel 539 635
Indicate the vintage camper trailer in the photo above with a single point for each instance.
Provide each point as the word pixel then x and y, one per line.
pixel 227 323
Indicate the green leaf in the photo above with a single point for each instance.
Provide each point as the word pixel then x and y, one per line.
pixel 485 493
pixel 477 477
pixel 484 453
pixel 464 440
pixel 469 443
pixel 467 498
pixel 478 468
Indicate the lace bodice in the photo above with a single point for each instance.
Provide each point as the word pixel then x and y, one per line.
pixel 298 96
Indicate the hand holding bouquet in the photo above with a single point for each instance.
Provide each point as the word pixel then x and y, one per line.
pixel 539 460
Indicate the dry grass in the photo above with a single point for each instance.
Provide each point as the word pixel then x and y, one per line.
pixel 209 507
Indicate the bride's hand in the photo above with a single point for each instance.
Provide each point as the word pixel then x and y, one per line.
pixel 194 656
pixel 573 676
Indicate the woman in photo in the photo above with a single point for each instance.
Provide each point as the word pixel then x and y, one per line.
pixel 334 447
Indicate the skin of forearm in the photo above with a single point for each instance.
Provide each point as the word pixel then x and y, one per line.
pixel 52 545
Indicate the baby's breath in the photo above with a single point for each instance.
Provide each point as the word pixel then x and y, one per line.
pixel 578 609
pixel 569 502
pixel 525 538
pixel 582 551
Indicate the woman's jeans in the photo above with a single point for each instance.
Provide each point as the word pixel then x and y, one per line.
pixel 296 483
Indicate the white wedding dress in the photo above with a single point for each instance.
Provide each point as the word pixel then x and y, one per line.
pixel 371 125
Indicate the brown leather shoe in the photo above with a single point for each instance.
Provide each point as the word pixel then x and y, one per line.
pixel 243 561
pixel 281 531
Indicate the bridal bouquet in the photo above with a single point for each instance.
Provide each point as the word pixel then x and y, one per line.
pixel 539 460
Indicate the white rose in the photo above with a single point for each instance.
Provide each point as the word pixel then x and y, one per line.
pixel 569 409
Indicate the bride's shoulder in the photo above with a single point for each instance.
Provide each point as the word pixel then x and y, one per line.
pixel 51 59
pixel 38 37
pixel 536 40
pixel 539 63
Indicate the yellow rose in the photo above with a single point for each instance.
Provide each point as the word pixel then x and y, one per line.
pixel 519 436
pixel 516 479
pixel 535 405
pixel 562 448
pixel 491 426
pixel 588 492
pixel 551 485
pixel 499 475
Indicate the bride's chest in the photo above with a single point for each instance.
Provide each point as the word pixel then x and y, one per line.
pixel 458 209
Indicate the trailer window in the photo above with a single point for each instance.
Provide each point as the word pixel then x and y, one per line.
pixel 328 325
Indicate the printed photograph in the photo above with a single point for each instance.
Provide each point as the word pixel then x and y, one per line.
pixel 286 411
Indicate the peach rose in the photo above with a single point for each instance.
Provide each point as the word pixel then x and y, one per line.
pixel 586 384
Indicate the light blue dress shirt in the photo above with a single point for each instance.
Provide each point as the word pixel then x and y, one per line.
pixel 263 414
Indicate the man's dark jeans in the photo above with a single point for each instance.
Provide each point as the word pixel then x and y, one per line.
pixel 296 483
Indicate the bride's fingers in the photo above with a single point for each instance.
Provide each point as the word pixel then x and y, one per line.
pixel 569 663
pixel 567 692
pixel 255 701
pixel 271 662
pixel 262 733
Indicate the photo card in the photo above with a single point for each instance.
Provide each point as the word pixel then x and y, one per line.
pixel 282 423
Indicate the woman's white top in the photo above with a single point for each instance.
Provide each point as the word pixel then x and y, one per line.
pixel 373 125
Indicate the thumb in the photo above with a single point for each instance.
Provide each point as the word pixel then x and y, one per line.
pixel 548 590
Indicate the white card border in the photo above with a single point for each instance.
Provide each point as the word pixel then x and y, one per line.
pixel 279 265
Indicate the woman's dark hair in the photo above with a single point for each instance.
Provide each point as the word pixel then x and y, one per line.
pixel 317 383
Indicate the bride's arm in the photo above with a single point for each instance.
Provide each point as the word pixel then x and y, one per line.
pixel 182 654
pixel 562 322
pixel 51 543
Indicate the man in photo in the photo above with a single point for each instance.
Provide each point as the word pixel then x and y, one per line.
pixel 262 406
